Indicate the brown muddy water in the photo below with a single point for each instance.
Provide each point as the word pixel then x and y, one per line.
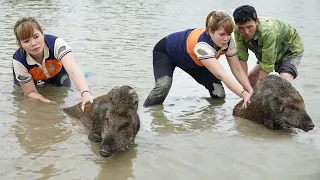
pixel 189 137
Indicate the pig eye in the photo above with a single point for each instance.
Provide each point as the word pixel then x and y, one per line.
pixel 292 107
pixel 123 126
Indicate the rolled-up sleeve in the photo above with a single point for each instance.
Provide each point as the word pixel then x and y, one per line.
pixel 21 73
pixel 204 51
pixel 269 52
pixel 242 49
pixel 61 48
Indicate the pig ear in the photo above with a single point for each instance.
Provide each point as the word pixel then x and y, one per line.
pixel 282 107
pixel 281 103
pixel 277 103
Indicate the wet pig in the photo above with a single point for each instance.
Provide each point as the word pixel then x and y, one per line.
pixel 276 104
pixel 112 119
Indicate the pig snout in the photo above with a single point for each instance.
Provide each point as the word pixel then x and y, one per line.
pixel 105 150
pixel 307 125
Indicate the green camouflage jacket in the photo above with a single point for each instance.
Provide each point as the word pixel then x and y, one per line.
pixel 276 40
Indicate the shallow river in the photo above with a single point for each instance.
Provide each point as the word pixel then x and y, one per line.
pixel 189 136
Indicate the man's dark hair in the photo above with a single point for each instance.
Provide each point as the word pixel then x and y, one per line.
pixel 244 14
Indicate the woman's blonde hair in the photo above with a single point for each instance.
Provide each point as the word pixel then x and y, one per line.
pixel 24 28
pixel 217 19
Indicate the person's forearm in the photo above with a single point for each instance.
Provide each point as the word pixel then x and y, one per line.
pixel 79 79
pixel 232 84
pixel 75 73
pixel 36 95
pixel 237 67
pixel 244 66
pixel 262 74
pixel 242 78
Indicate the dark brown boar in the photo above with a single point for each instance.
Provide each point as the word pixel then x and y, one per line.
pixel 112 119
pixel 276 104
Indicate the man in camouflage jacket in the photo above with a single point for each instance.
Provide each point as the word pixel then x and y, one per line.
pixel 276 45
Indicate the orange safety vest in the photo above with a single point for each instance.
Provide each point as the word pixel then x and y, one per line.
pixel 53 67
pixel 192 40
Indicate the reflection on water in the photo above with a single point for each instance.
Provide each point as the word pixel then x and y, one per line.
pixel 118 166
pixel 188 137
pixel 196 119
pixel 255 130
pixel 40 125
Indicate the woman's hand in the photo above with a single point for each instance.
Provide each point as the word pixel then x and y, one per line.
pixel 47 101
pixel 246 98
pixel 86 98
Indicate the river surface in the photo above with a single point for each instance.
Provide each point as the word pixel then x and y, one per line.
pixel 189 136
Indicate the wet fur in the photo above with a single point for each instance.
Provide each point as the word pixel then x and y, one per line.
pixel 112 118
pixel 276 104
